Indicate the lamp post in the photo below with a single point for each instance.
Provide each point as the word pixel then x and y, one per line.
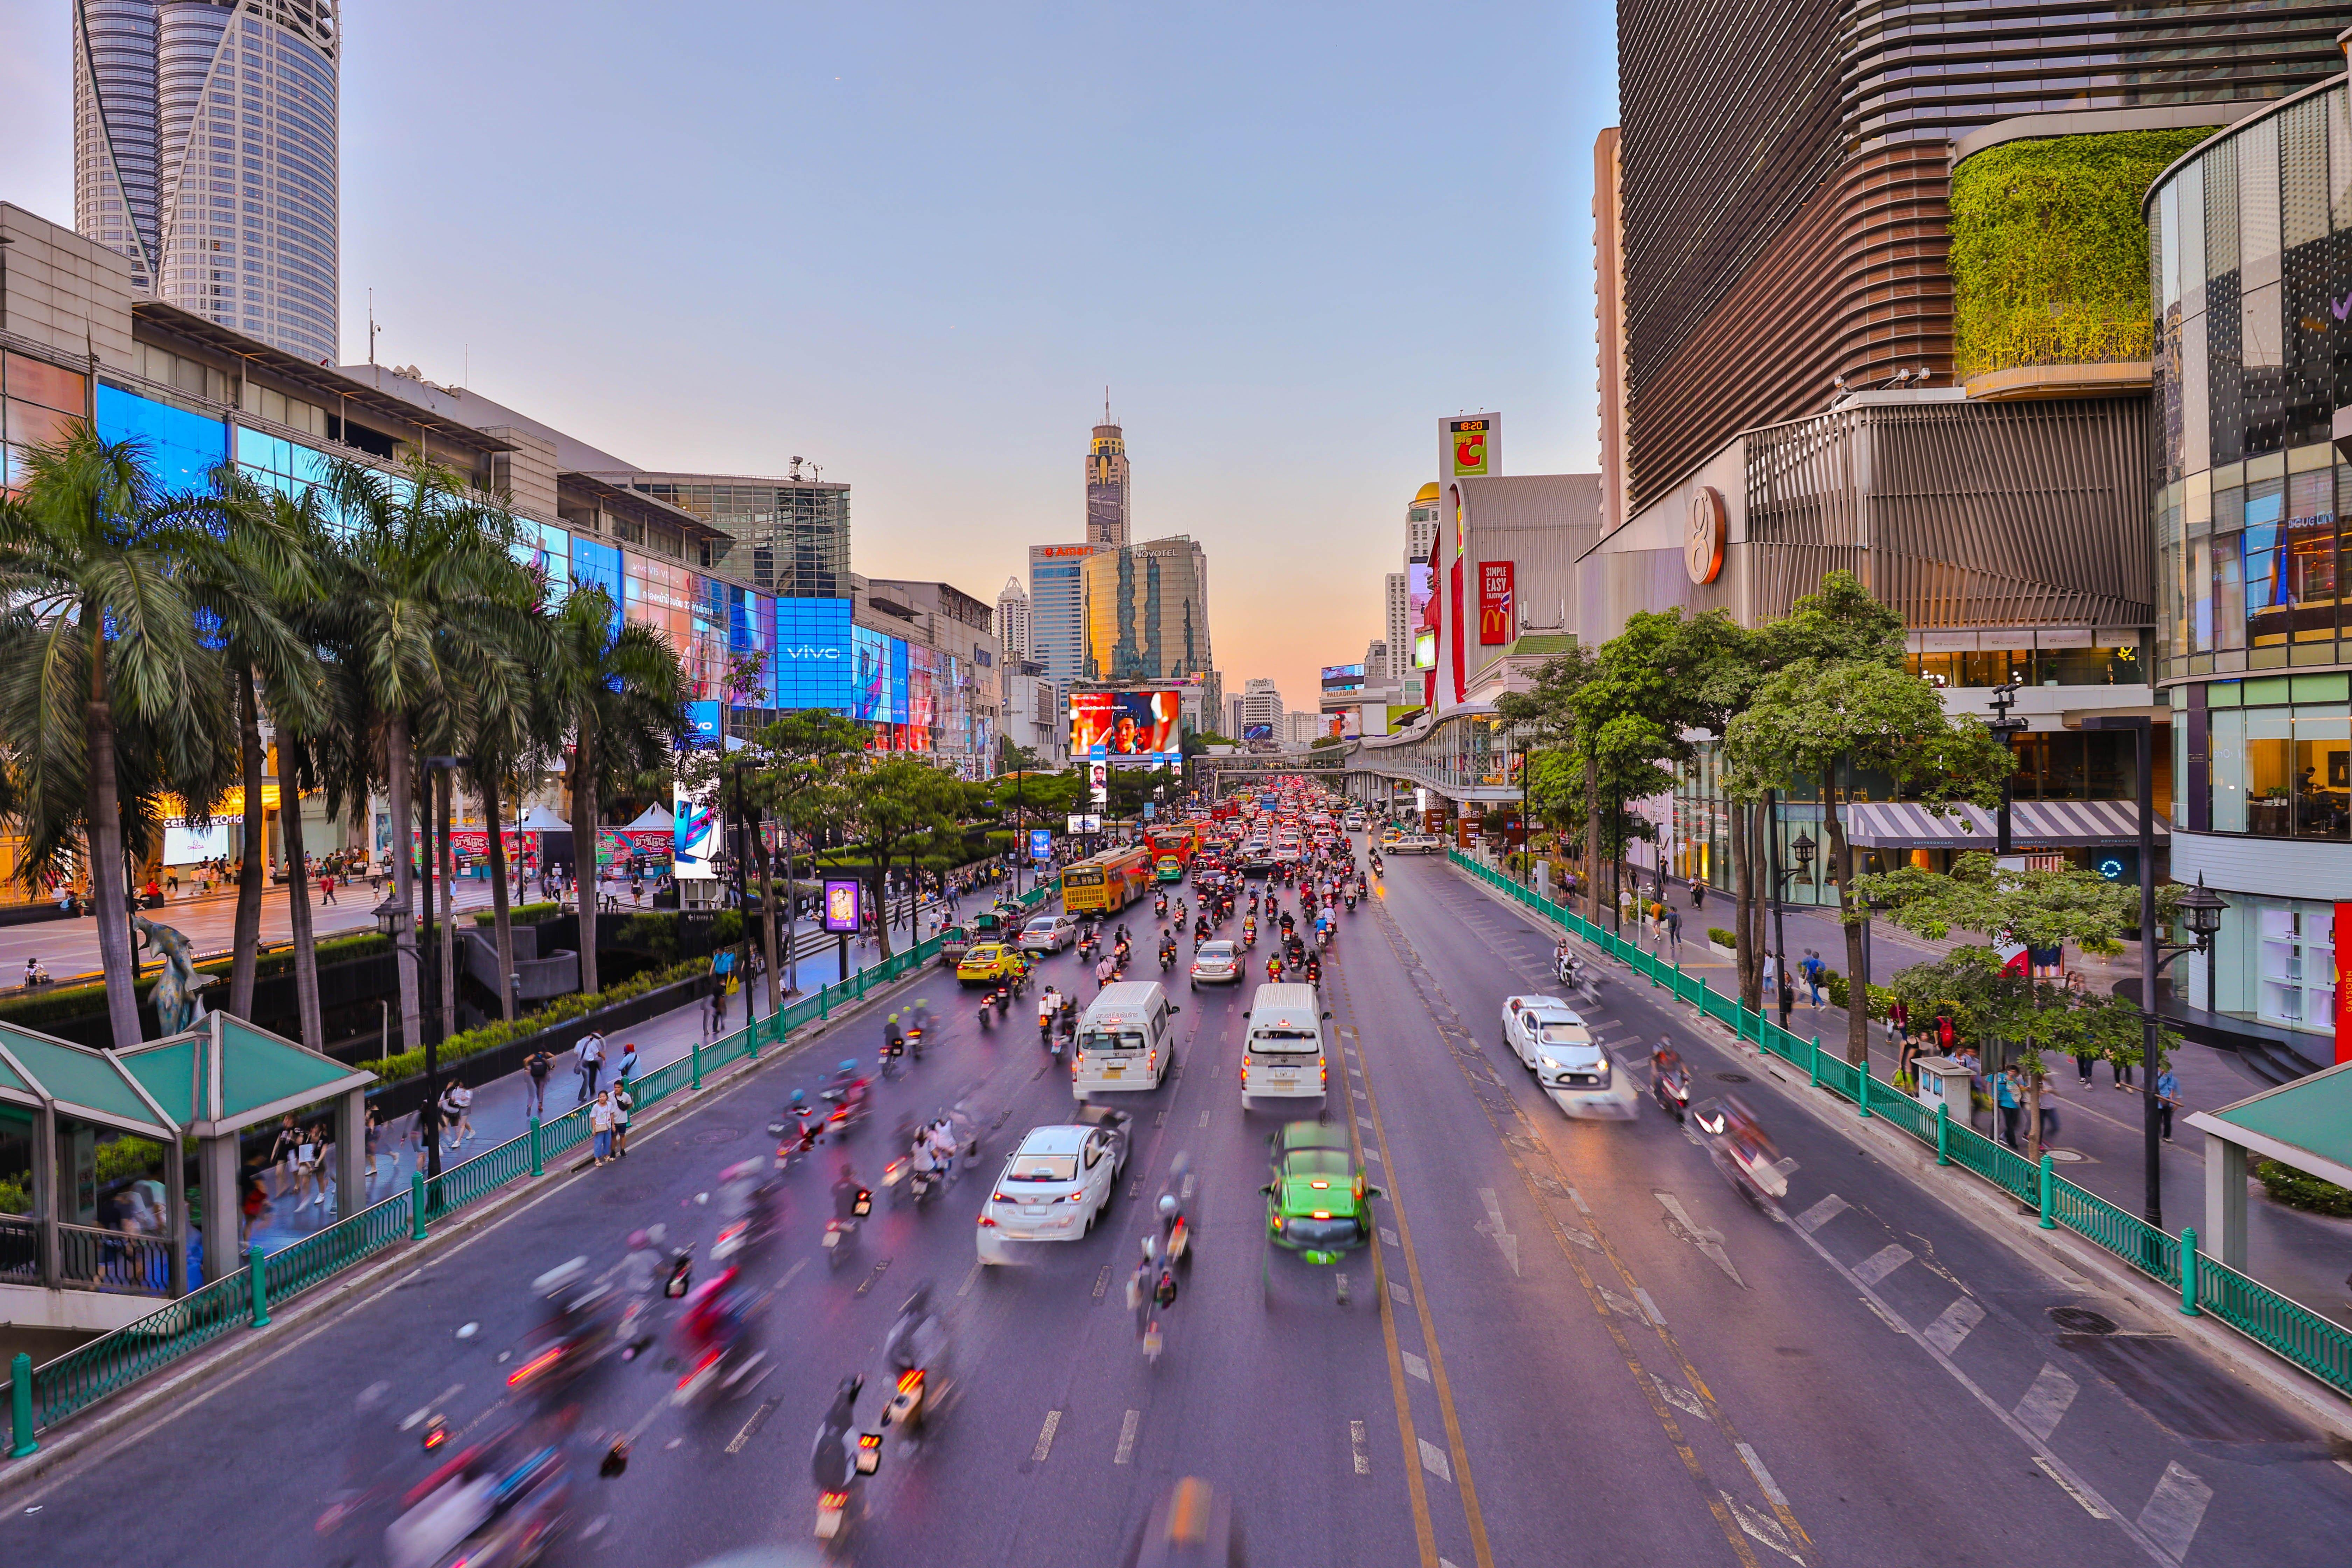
pixel 2008 728
pixel 2202 908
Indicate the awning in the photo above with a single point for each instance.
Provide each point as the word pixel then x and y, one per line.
pixel 2032 825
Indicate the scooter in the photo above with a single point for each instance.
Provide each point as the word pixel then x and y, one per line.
pixel 987 1018
pixel 1750 1169
pixel 836 1466
pixel 840 1233
pixel 1167 956
pixel 1671 1090
pixel 1350 902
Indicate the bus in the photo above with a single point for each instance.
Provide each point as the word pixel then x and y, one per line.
pixel 1173 849
pixel 1108 882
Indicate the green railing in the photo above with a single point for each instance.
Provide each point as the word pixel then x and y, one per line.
pixel 107 1366
pixel 2316 1343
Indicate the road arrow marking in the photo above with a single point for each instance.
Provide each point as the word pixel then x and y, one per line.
pixel 1709 1242
pixel 1492 1225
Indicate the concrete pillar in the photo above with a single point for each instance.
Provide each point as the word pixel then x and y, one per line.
pixel 2223 1238
pixel 175 1209
pixel 351 1153
pixel 218 1169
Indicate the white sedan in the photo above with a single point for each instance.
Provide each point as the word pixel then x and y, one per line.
pixel 1552 1041
pixel 1048 933
pixel 1056 1184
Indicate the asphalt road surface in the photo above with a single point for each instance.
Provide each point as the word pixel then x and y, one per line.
pixel 1573 1341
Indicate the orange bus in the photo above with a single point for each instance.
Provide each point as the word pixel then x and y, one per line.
pixel 1108 882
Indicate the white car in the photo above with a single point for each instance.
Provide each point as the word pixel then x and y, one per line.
pixel 1552 1041
pixel 1218 964
pixel 1056 1184
pixel 1355 822
pixel 1048 933
pixel 1417 843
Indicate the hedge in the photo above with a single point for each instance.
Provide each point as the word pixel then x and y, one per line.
pixel 1722 938
pixel 2049 253
pixel 36 1008
pixel 473 1042
pixel 520 914
pixel 2301 1189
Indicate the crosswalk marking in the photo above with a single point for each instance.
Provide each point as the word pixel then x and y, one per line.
pixel 1953 1323
pixel 1126 1436
pixel 1820 1214
pixel 2175 1510
pixel 1046 1438
pixel 1882 1263
pixel 2044 1404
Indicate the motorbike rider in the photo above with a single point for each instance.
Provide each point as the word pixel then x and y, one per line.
pixel 1666 1070
pixel 1048 1007
pixel 846 1190
pixel 940 1138
pixel 833 1462
pixel 1314 970
pixel 917 1339
pixel 1167 949
pixel 1273 967
pixel 894 1038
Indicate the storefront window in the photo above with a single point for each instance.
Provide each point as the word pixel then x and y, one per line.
pixel 2267 603
pixel 2269 736
pixel 2323 747
pixel 2294 964
pixel 2227 742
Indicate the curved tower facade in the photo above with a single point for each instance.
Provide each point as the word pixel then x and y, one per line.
pixel 210 128
pixel 1107 497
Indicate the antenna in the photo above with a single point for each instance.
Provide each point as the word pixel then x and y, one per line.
pixel 372 327
pixel 1105 403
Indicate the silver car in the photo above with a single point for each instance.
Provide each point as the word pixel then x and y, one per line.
pixel 1048 933
pixel 1217 962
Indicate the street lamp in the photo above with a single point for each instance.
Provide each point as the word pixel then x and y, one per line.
pixel 2008 728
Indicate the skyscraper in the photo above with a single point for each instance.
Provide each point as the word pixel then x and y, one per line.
pixel 1261 707
pixel 1013 619
pixel 1057 610
pixel 1107 485
pixel 1146 611
pixel 206 136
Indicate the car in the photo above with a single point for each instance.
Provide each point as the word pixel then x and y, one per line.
pixel 1416 844
pixel 954 942
pixel 1552 1041
pixel 1055 1183
pixel 1218 964
pixel 1316 1203
pixel 1048 933
pixel 1257 867
pixel 1355 822
pixel 986 963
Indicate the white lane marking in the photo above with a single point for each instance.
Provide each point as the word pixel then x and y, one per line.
pixel 1882 1263
pixel 2045 1404
pixel 1372 1154
pixel 1953 1323
pixel 2175 1510
pixel 790 1273
pixel 1618 1304
pixel 1767 1530
pixel 1763 1476
pixel 1709 1242
pixel 1578 1199
pixel 970 1280
pixel 1649 1306
pixel 1885 1314
pixel 1492 1225
pixel 2071 1489
pixel 1365 1119
pixel 1388 1236
pixel 735 1445
pixel 1205 1119
pixel 1403 1297
pixel 1432 1459
pixel 1581 1239
pixel 1046 1438
pixel 1126 1436
pixel 1820 1214
pixel 1415 1365
pixel 1681 1398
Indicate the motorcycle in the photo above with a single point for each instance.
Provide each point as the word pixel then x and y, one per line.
pixel 502 1501
pixel 1160 905
pixel 987 1004
pixel 1740 1151
pixel 840 1233
pixel 835 1465
pixel 1003 1002
pixel 710 1339
pixel 914 1035
pixel 1671 1090
pixel 1323 936
pixel 1167 956
pixel 747 1206
pixel 1350 902
pixel 797 1140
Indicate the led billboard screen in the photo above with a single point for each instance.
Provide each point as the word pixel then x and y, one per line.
pixel 694 838
pixel 1343 677
pixel 1494 599
pixel 1258 731
pixel 1125 723
pixel 812 656
pixel 1425 650
pixel 842 895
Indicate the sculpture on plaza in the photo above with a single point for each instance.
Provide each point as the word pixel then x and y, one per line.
pixel 177 1005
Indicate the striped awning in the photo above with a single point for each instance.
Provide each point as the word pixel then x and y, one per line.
pixel 2032 825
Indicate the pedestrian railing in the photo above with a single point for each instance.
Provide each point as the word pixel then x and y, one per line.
pixel 40 1397
pixel 2311 1340
pixel 20 1249
pixel 101 1259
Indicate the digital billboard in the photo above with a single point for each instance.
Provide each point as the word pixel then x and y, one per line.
pixel 1425 650
pixel 1470 455
pixel 1258 731
pixel 842 895
pixel 1343 677
pixel 694 839
pixel 812 660
pixel 1494 583
pixel 702 724
pixel 1125 723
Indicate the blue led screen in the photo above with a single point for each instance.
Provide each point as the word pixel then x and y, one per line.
pixel 900 681
pixel 181 449
pixel 814 657
pixel 869 656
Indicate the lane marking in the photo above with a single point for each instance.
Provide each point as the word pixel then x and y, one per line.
pixel 1681 1398
pixel 1885 1313
pixel 1882 1263
pixel 1432 1459
pixel 1126 1436
pixel 1767 1530
pixel 1102 1281
pixel 1642 1295
pixel 2175 1510
pixel 1764 1481
pixel 1205 1119
pixel 1356 1448
pixel 2046 1402
pixel 1416 1366
pixel 1953 1323
pixel 1492 1225
pixel 2069 1487
pixel 1387 1235
pixel 1708 1242
pixel 1820 1214
pixel 1398 1294
pixel 1619 1304
pixel 758 1416
pixel 1046 1438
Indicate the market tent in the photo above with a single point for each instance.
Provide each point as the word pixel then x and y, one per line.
pixel 539 819
pixel 653 818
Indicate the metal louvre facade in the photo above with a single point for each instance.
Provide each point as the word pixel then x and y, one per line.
pixel 1957 514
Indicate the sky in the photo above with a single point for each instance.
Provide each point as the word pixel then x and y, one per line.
pixel 913 243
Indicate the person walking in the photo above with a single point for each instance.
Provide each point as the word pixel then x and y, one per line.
pixel 2005 1089
pixel 623 1104
pixel 2084 1062
pixel 452 1112
pixel 1812 970
pixel 1674 932
pixel 2168 1099
pixel 628 1065
pixel 1698 894
pixel 591 1062
pixel 375 1143
pixel 306 1167
pixel 464 1094
pixel 2123 1072
pixel 251 1211
pixel 600 1123
pixel 281 1155
pixel 536 1067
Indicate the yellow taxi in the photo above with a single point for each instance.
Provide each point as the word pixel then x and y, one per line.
pixel 986 962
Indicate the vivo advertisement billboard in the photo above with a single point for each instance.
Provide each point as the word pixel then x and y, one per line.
pixel 813 657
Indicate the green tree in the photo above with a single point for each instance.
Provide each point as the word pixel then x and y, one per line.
pixel 788 770
pixel 110 697
pixel 898 809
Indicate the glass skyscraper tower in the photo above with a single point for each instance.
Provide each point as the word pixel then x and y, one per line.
pixel 205 150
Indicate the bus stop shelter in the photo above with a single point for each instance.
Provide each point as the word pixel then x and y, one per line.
pixel 2306 1125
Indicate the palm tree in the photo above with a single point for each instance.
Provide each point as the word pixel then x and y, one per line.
pixel 108 693
pixel 427 605
pixel 615 686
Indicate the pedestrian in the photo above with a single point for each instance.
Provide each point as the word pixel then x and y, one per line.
pixel 591 1062
pixel 374 1142
pixel 536 1067
pixel 623 1104
pixel 628 1067
pixel 2049 1117
pixel 327 889
pixel 1946 1036
pixel 307 1175
pixel 600 1122
pixel 1812 970
pixel 281 1155
pixel 1698 893
pixel 1771 984
pixel 2167 1097
pixel 251 1211
pixel 2005 1089
pixel 1674 932
pixel 464 1094
pixel 453 1112
pixel 2084 1062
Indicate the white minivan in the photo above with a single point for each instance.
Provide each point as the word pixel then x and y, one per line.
pixel 1126 1040
pixel 1281 1055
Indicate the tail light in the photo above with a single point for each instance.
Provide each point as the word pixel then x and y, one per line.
pixel 911 1380
pixel 710 1359
pixel 833 1500
pixel 987 1221
pixel 535 1366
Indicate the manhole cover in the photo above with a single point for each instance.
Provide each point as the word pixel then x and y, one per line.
pixel 719 1134
pixel 2066 1156
pixel 2082 1320
pixel 1732 1076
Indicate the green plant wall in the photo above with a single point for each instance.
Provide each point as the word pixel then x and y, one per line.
pixel 2049 255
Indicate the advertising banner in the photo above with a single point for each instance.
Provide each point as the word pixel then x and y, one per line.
pixel 813 663
pixel 1343 677
pixel 1126 723
pixel 1494 603
pixel 841 899
pixel 1258 731
pixel 2342 942
pixel 702 724
pixel 1469 456
pixel 1041 843
pixel 694 839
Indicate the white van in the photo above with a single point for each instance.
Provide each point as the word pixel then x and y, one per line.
pixel 1125 1041
pixel 1282 1057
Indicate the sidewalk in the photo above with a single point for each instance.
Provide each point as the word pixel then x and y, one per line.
pixel 2099 1142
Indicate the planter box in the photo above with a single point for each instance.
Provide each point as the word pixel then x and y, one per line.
pixel 1722 952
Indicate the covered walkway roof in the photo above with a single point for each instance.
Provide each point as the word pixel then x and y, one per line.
pixel 222 1077
pixel 2307 1123
pixel 2033 825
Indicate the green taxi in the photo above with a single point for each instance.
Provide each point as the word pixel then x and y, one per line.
pixel 1317 1206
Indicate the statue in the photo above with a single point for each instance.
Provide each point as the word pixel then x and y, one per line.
pixel 177 1005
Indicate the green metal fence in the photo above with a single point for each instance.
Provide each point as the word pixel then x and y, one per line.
pixel 2316 1343
pixel 107 1366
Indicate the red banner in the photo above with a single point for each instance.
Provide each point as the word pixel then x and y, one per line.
pixel 2343 982
pixel 1494 603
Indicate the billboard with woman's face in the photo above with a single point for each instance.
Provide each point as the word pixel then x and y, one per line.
pixel 1125 723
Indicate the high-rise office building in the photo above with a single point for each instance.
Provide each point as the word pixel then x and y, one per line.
pixel 1057 610
pixel 1013 619
pixel 206 150
pixel 1107 486
pixel 1262 706
pixel 1784 206
pixel 1396 647
pixel 1146 608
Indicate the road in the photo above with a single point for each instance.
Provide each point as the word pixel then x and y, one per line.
pixel 1571 1342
